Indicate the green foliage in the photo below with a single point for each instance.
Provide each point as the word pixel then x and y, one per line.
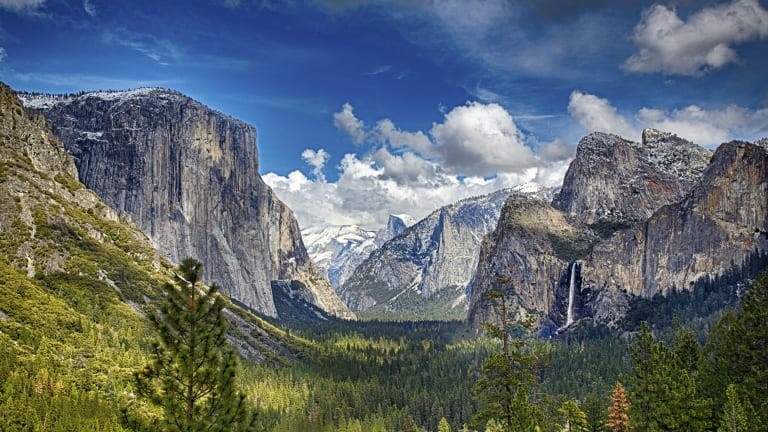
pixel 569 248
pixel 738 414
pixel 443 426
pixel 605 228
pixel 573 418
pixel 191 375
pixel 663 392
pixel 737 354
pixel 507 377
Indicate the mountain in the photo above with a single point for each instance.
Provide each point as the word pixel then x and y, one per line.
pixel 718 225
pixel 423 272
pixel 613 182
pixel 77 278
pixel 338 250
pixel 561 270
pixel 188 177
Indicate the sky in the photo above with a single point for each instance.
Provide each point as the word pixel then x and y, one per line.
pixel 367 107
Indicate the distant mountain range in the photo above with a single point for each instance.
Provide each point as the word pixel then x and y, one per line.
pixel 338 250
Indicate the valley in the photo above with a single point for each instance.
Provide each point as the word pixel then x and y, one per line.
pixel 524 306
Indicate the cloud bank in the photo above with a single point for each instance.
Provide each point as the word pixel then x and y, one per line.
pixel 476 149
pixel 21 5
pixel 704 127
pixel 704 42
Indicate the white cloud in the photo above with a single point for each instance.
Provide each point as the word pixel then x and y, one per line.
pixel 704 42
pixel 415 172
pixel 346 121
pixel 387 133
pixel 21 5
pixel 160 50
pixel 3 54
pixel 597 114
pixel 89 8
pixel 556 150
pixel 317 160
pixel 378 70
pixel 704 127
pixel 478 139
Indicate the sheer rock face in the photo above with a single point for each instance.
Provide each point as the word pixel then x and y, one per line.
pixel 618 182
pixel 424 271
pixel 717 225
pixel 532 245
pixel 188 176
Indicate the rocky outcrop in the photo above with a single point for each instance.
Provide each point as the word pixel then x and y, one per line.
pixel 719 224
pixel 423 272
pixel 532 246
pixel 188 177
pixel 613 182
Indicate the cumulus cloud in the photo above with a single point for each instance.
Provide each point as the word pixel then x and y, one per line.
pixel 556 150
pixel 387 133
pixel 317 160
pixel 346 121
pixel 417 172
pixel 479 139
pixel 704 42
pixel 704 127
pixel 21 5
pixel 597 114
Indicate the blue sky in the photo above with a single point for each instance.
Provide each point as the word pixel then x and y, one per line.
pixel 368 107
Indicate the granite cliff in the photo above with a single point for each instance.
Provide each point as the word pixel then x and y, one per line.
pixel 613 182
pixel 188 177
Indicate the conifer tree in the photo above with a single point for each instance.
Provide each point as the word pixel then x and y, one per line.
pixel 192 373
pixel 595 410
pixel 574 419
pixel 737 415
pixel 443 425
pixel 507 376
pixel 618 417
pixel 663 391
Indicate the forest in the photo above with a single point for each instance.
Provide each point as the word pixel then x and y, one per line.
pixel 83 360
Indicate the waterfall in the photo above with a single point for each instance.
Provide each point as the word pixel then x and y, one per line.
pixel 571 293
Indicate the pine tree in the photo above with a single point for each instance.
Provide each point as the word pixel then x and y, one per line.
pixel 663 391
pixel 595 410
pixel 736 413
pixel 507 376
pixel 644 360
pixel 737 353
pixel 443 425
pixel 192 373
pixel 574 419
pixel 618 418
